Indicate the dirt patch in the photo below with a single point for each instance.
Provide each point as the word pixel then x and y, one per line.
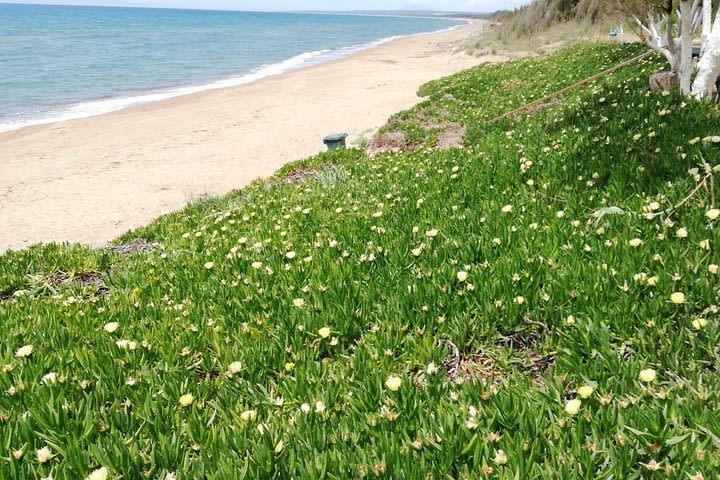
pixel 452 136
pixel 135 246
pixel 300 176
pixel 389 142
pixel 84 280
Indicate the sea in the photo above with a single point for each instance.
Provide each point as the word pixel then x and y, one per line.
pixel 65 62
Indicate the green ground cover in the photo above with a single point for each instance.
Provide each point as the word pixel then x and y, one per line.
pixel 530 305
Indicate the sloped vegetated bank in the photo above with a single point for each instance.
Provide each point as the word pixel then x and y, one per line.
pixel 540 303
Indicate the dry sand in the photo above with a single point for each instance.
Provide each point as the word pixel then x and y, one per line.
pixel 92 179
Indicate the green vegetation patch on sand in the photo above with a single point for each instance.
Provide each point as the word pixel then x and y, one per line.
pixel 530 305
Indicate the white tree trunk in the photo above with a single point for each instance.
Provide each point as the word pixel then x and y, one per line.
pixel 654 38
pixel 707 12
pixel 686 38
pixel 709 64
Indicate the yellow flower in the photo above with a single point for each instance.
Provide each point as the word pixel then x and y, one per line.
pixel 111 327
pixel 279 447
pixel 713 214
pixel 248 415
pixel 324 332
pixel 299 302
pixel 187 400
pixel 585 391
pixel 699 323
pixel 209 265
pixel 635 242
pixel 393 383
pixel 234 367
pixel 648 375
pixel 705 244
pixel 572 407
pixel 462 276
pixel 677 298
pixel 99 474
pixel 289 366
pixel 24 351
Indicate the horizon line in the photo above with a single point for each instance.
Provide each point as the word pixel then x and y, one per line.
pixel 446 12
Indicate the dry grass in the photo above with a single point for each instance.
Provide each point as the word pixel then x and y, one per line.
pixel 505 40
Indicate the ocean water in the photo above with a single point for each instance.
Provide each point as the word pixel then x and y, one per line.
pixel 58 62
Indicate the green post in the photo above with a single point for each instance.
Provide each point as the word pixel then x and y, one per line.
pixel 335 141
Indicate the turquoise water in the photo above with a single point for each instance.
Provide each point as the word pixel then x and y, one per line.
pixel 59 62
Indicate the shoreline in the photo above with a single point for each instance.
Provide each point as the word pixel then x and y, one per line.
pixel 160 94
pixel 91 179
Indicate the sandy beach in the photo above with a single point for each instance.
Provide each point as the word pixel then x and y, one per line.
pixel 92 179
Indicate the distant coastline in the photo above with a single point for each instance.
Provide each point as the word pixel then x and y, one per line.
pixel 115 101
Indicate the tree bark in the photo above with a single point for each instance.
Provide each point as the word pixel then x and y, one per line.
pixel 686 38
pixel 707 12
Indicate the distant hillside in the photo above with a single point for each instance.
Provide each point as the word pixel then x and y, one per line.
pixel 541 14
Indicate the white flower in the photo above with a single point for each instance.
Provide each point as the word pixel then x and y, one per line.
pixel 431 368
pixel 126 344
pixel 713 268
pixel 713 214
pixel 431 233
pixel 111 327
pixel 462 276
pixel 647 375
pixel 44 454
pixel 99 474
pixel 24 351
pixel 209 265
pixel 305 408
pixel 319 406
pixel 393 383
pixel 299 302
pixel 572 407
pixel 49 378
pixel 234 367
pixel 291 255
pixel 681 232
pixel 507 209
pixel 324 332
pixel 635 242
pixel 256 265
pixel 501 457
pixel 704 244
pixel 186 400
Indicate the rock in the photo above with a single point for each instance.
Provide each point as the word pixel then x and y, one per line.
pixel 664 81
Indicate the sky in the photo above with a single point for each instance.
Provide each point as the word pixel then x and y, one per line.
pixel 280 5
